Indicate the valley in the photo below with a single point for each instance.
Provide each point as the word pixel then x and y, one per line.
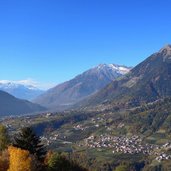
pixel 124 119
pixel 85 85
pixel 118 133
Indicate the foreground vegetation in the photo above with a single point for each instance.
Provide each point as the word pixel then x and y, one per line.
pixel 26 153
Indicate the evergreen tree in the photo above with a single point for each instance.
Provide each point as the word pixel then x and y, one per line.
pixel 28 140
pixel 4 138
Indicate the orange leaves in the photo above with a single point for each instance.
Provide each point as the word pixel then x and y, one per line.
pixel 20 160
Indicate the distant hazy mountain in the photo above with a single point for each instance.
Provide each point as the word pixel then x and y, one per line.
pixel 21 91
pixel 147 82
pixel 86 84
pixel 9 105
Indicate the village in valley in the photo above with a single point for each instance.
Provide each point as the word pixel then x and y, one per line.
pixel 133 144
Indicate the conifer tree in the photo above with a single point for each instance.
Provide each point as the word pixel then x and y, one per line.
pixel 28 140
pixel 4 138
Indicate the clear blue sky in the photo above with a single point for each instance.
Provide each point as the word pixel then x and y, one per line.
pixel 52 41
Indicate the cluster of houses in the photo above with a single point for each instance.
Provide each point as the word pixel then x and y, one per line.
pixel 54 138
pixel 80 127
pixel 49 140
pixel 162 155
pixel 118 144
pixel 83 128
pixel 128 145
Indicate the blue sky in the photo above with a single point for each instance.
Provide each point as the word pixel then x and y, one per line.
pixel 51 41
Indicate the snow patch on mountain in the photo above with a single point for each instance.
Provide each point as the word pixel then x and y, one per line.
pixel 30 84
pixel 115 68
pixel 23 89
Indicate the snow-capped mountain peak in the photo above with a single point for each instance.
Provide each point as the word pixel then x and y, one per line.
pixel 120 69
pixel 82 86
pixel 12 85
pixel 20 89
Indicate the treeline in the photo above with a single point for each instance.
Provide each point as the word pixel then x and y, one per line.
pixel 25 152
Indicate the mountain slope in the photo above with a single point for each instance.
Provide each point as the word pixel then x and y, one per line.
pixel 21 91
pixel 89 82
pixel 148 81
pixel 9 105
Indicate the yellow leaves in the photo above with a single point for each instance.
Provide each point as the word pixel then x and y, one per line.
pixel 20 160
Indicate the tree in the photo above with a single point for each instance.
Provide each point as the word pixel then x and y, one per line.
pixel 58 162
pixel 4 160
pixel 28 140
pixel 122 167
pixel 4 138
pixel 20 160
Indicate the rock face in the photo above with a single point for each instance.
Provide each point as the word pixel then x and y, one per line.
pixel 70 92
pixel 166 51
pixel 9 105
pixel 147 82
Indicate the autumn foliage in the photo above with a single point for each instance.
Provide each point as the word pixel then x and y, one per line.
pixel 20 160
pixel 4 160
pixel 28 154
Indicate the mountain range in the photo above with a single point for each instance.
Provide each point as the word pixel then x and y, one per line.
pixel 106 85
pixel 147 82
pixel 137 103
pixel 19 90
pixel 82 86
pixel 130 110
